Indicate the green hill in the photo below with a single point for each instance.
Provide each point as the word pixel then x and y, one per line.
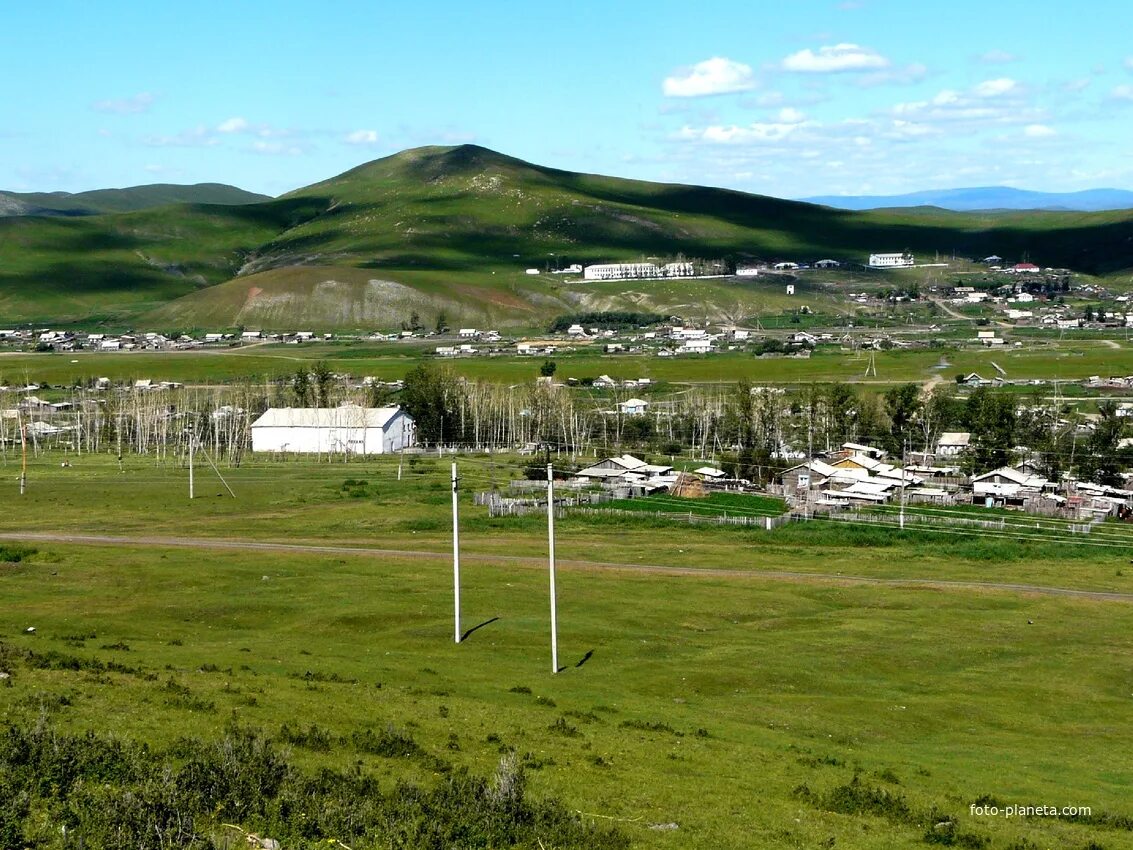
pixel 453 228
pixel 123 200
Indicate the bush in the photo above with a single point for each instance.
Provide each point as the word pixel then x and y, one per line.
pixel 109 793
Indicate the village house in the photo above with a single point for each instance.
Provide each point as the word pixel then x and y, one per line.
pixel 953 443
pixel 1006 486
pixel 633 406
pixel 696 346
pixel 627 469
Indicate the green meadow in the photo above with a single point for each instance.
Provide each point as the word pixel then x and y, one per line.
pixel 1067 360
pixel 722 704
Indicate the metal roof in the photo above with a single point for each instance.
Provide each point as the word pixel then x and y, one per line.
pixel 349 416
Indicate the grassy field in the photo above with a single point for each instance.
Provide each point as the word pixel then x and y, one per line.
pixel 749 710
pixel 1069 360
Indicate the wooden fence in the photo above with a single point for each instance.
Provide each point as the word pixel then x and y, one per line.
pixel 691 518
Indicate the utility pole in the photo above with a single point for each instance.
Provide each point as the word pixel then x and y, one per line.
pixel 401 454
pixel 904 478
pixel 191 493
pixel 551 562
pixel 24 462
pixel 455 554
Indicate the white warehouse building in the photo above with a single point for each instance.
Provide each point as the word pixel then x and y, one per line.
pixel 329 430
pixel 891 261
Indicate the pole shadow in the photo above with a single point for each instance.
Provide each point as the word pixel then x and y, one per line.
pixel 589 654
pixel 464 636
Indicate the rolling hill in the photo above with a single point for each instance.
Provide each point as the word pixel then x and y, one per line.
pixel 123 200
pixel 452 229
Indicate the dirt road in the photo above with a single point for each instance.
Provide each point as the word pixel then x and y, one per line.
pixel 568 564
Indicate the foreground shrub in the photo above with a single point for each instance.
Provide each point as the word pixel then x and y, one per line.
pixel 95 791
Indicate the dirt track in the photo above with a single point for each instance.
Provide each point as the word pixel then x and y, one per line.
pixel 568 564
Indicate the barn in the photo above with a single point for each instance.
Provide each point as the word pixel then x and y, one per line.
pixel 320 430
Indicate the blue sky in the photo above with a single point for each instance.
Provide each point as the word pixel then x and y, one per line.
pixel 792 99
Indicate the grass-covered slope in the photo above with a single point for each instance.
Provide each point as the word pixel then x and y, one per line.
pixel 115 266
pixel 124 200
pixel 452 229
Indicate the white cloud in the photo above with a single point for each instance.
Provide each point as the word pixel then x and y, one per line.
pixel 276 148
pixel 1128 63
pixel 997 57
pixel 1080 84
pixel 789 115
pixel 1122 92
pixel 994 88
pixel 126 105
pixel 1039 131
pixel 733 134
pixel 903 76
pixel 712 76
pixel 198 137
pixel 232 125
pixel 1000 101
pixel 362 137
pixel 835 58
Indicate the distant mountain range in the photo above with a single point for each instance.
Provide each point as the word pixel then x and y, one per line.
pixel 123 200
pixel 985 198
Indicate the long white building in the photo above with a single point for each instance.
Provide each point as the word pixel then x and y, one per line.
pixel 635 271
pixel 891 261
pixel 330 430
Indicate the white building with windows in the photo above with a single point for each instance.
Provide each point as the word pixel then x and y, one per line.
pixel 636 271
pixel 633 406
pixel 333 430
pixel 891 261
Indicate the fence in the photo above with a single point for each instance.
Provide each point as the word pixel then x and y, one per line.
pixel 765 522
pixel 583 504
pixel 521 505
pixel 889 518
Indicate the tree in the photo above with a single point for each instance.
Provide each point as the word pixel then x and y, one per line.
pixel 415 322
pixel 323 380
pixel 990 417
pixel 378 395
pixel 842 403
pixel 301 387
pixel 548 368
pixel 939 410
pixel 1102 461
pixel 430 397
pixel 903 406
pixel 441 325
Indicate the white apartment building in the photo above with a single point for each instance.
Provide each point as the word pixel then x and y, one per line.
pixel 890 261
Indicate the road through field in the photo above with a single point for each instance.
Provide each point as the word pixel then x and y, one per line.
pixel 536 562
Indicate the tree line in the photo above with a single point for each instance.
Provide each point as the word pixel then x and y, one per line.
pixel 765 428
